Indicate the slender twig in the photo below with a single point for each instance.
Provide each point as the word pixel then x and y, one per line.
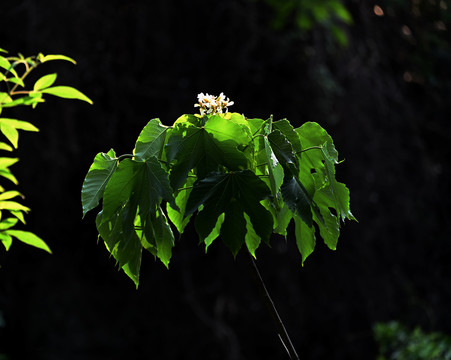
pixel 282 332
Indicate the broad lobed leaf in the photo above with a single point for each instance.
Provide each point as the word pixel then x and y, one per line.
pixel 96 179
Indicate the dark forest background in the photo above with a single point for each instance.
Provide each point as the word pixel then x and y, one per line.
pixel 380 85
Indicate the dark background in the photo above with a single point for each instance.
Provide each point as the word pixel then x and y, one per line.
pixel 383 97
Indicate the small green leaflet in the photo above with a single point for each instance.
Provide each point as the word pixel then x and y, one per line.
pixel 28 238
pixel 9 128
pixel 233 194
pixel 96 179
pixel 45 58
pixel 66 92
pixel 44 82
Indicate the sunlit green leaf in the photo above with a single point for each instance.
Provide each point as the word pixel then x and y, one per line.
pixel 66 92
pixel 8 223
pixel 56 57
pixel 252 240
pixel 16 80
pixel 10 195
pixel 10 132
pixel 4 99
pixel 96 179
pixel 44 82
pixel 4 170
pixel 6 240
pixel 18 214
pixel 12 205
pixel 214 233
pixel 6 147
pixel 29 238
pixel 4 63
pixel 321 160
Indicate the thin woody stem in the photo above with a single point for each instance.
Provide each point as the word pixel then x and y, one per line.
pixel 282 332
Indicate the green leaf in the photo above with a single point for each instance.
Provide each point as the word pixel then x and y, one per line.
pixel 297 199
pixel 29 238
pixel 6 240
pixel 275 170
pixel 205 148
pixel 11 133
pixel 151 140
pixel 56 57
pixel 19 215
pixel 337 191
pixel 233 194
pixel 66 92
pixel 282 149
pixel 10 195
pixel 5 172
pixel 44 82
pixel 4 63
pixel 288 131
pixel 330 228
pixel 96 179
pixel 4 98
pixel 145 181
pixel 12 205
pixel 305 238
pixel 283 218
pixel 214 233
pixel 8 223
pixel 162 236
pixel 177 217
pixel 321 160
pixel 123 244
pixel 252 239
pixel 16 80
pixel 9 128
pixel 4 146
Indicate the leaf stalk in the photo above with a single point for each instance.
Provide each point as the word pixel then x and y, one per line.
pixel 281 330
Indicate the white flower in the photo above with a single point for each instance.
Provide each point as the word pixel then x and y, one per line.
pixel 209 104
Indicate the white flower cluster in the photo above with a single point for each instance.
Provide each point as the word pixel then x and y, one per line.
pixel 209 104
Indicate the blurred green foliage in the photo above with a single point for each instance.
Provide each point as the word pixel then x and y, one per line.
pixel 396 342
pixel 308 14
